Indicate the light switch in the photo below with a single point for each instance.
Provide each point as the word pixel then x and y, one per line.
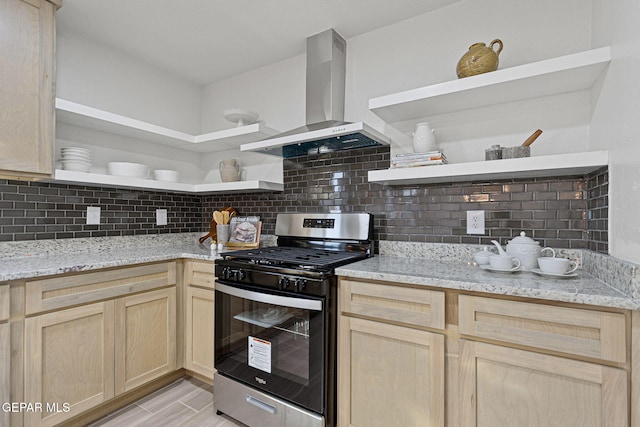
pixel 161 217
pixel 93 215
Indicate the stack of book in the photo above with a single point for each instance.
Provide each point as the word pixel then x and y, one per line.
pixel 418 159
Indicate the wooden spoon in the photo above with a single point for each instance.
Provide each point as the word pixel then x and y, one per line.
pixel 218 217
pixel 225 217
pixel 532 138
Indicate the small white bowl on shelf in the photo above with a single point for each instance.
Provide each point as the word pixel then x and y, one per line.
pixel 166 175
pixel 134 170
pixel 75 165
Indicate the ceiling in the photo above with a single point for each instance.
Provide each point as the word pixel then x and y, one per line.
pixel 206 41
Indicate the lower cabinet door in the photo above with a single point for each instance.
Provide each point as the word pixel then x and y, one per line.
pixel 199 327
pixel 68 362
pixel 502 386
pixel 145 338
pixel 389 375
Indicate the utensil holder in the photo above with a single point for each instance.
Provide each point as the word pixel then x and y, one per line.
pixel 222 230
pixel 516 152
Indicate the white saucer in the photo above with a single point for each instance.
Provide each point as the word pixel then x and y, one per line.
pixel 500 270
pixel 544 273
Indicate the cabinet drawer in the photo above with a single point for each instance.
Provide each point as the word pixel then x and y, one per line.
pixel 589 333
pixel 4 302
pixel 63 291
pixel 412 306
pixel 199 274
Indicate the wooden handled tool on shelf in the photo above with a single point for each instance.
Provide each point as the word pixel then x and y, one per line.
pixel 532 138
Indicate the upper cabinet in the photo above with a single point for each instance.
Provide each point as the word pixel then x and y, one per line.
pixel 571 73
pixel 27 39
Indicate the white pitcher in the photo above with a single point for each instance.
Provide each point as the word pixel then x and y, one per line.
pixel 424 139
pixel 230 170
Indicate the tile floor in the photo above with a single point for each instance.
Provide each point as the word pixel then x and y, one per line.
pixel 186 402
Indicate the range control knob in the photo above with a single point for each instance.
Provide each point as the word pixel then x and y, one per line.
pixel 284 283
pixel 301 284
pixel 226 273
pixel 241 274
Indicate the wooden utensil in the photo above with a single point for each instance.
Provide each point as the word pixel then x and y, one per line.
pixel 532 138
pixel 218 217
pixel 225 217
pixel 212 228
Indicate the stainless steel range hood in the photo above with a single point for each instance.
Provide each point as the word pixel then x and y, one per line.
pixel 326 129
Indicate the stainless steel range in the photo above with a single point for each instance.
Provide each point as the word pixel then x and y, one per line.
pixel 275 321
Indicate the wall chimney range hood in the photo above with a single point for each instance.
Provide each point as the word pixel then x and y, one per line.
pixel 325 128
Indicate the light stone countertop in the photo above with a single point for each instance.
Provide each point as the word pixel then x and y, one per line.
pixel 462 275
pixel 437 265
pixel 31 266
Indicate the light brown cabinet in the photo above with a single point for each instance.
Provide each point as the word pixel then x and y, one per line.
pixel 504 387
pixel 199 324
pixel 145 338
pixel 93 336
pixel 406 352
pixel 27 39
pixel 390 370
pixel 69 361
pixel 5 353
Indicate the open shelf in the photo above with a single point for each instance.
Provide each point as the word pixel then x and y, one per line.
pixel 82 115
pixel 526 167
pixel 82 178
pixel 554 76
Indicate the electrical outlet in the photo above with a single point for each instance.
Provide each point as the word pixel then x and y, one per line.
pixel 161 217
pixel 93 215
pixel 475 222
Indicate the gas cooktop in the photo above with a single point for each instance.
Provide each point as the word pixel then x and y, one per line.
pixel 295 257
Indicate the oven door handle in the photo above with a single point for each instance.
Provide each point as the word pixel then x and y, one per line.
pixel 303 303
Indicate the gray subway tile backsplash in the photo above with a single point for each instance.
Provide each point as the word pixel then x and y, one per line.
pixel 569 212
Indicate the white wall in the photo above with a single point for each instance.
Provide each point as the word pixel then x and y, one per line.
pixel 94 74
pixel 276 92
pixel 424 50
pixel 616 123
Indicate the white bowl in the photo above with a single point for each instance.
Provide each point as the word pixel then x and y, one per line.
pixel 77 166
pixel 166 175
pixel 136 170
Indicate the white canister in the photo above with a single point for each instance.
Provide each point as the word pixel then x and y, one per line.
pixel 424 139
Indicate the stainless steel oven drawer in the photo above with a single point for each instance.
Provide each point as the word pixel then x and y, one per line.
pixel 255 408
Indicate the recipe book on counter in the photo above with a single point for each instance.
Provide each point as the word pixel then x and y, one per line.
pixel 418 159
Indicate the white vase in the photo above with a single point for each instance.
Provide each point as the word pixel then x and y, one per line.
pixel 424 139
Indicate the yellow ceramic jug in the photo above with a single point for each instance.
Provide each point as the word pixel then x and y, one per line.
pixel 479 59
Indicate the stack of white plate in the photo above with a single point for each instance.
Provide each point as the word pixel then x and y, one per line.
pixel 75 159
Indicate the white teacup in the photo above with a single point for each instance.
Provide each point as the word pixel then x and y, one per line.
pixel 557 265
pixel 506 263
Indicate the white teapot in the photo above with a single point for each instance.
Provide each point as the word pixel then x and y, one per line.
pixel 525 249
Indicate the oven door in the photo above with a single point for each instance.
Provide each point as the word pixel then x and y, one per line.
pixel 273 342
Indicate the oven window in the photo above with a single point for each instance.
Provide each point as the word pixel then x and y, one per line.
pixel 274 347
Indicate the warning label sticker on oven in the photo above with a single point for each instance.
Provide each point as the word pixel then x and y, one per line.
pixel 260 354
